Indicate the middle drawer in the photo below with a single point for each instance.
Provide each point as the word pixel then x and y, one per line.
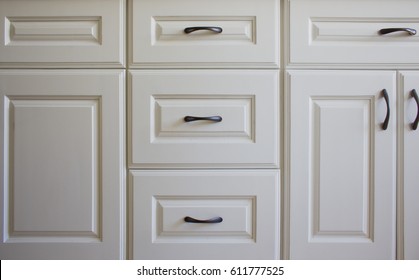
pixel 203 118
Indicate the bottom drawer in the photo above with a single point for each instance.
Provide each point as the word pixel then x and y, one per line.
pixel 204 214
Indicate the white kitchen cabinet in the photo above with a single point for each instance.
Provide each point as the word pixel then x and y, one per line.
pixel 342 164
pixel 339 155
pixel 62 164
pixel 204 214
pixel 408 165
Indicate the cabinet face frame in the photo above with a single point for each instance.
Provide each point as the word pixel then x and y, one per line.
pixel 87 109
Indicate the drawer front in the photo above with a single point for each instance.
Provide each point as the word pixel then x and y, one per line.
pixel 61 33
pixel 239 129
pixel 237 33
pixel 204 214
pixel 350 32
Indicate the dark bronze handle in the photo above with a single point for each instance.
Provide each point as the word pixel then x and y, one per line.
pixel 387 119
pixel 214 29
pixel 212 118
pixel 384 31
pixel 414 94
pixel 215 220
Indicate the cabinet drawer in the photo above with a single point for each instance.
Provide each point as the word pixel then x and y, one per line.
pixel 242 132
pixel 236 33
pixel 204 214
pixel 349 32
pixel 61 33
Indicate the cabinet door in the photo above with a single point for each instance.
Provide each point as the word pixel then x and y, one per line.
pixel 61 164
pixel 410 164
pixel 342 171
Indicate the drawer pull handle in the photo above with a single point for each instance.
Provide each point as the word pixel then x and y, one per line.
pixel 212 119
pixel 410 31
pixel 387 119
pixel 214 29
pixel 414 94
pixel 215 220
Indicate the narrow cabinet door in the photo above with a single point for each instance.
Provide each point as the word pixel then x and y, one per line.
pixel 409 165
pixel 342 171
pixel 61 164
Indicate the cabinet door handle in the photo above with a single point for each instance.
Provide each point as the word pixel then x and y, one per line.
pixel 215 220
pixel 212 119
pixel 414 94
pixel 384 31
pixel 387 119
pixel 214 29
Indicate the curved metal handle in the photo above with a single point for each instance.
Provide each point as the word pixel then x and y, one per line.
pixel 384 31
pixel 414 94
pixel 214 29
pixel 215 220
pixel 387 119
pixel 212 118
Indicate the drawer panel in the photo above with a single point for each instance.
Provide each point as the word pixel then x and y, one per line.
pixel 240 125
pixel 349 32
pixel 242 205
pixel 62 33
pixel 236 33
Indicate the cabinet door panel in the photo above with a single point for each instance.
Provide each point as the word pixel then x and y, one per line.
pixel 342 171
pixel 62 164
pixel 409 165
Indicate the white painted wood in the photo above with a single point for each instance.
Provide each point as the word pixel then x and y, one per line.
pixel 247 101
pixel 62 167
pixel 61 33
pixel 342 165
pixel 324 32
pixel 409 165
pixel 249 34
pixel 246 200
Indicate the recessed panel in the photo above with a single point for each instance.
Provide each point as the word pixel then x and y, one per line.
pixel 341 168
pixel 233 118
pixel 36 31
pixel 234 31
pixel 54 187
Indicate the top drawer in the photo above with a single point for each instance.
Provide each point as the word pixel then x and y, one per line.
pixel 204 33
pixel 62 33
pixel 348 32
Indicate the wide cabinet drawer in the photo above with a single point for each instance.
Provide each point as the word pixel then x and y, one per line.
pixel 204 214
pixel 208 33
pixel 203 118
pixel 62 33
pixel 354 32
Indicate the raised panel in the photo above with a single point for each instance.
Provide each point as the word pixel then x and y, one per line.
pixel 62 164
pixel 236 112
pixel 342 171
pixel 63 34
pixel 348 32
pixel 247 201
pixel 235 31
pixel 248 35
pixel 50 197
pixel 341 140
pixel 237 213
pixel 247 102
pixel 46 31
